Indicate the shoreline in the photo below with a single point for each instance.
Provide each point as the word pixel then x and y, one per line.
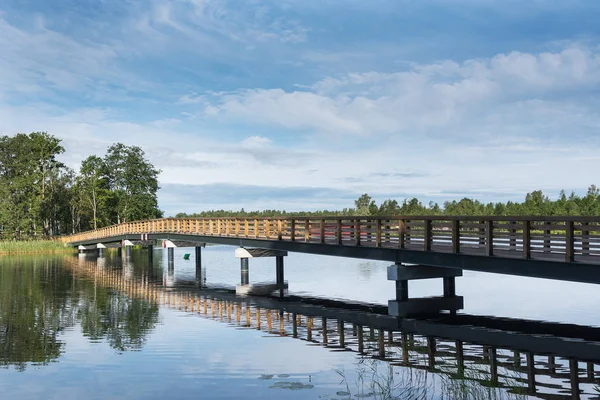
pixel 33 247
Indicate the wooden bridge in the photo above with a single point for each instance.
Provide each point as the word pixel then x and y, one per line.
pixel 564 248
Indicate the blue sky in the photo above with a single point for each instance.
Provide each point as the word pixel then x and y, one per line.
pixel 304 104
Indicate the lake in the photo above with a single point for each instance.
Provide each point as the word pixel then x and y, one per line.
pixel 79 326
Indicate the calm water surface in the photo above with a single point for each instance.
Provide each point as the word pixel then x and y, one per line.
pixel 68 331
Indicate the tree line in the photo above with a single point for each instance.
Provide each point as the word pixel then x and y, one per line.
pixel 536 203
pixel 42 197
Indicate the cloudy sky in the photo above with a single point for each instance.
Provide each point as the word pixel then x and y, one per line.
pixel 303 104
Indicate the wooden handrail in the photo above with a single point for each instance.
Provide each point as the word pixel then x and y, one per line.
pixel 574 237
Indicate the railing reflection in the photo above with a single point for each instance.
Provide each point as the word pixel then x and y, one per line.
pixel 554 375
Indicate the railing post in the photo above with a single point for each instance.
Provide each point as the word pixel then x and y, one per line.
pixel 357 231
pixel 293 230
pixel 237 227
pixel 489 237
pixel 339 231
pixel 279 229
pixel 246 227
pixel 255 228
pixel 267 228
pixel 378 237
pixel 512 236
pixel 427 235
pixel 401 233
pixel 456 235
pixel 307 230
pixel 526 239
pixel 569 242
pixel 547 238
pixel 323 230
pixel 585 239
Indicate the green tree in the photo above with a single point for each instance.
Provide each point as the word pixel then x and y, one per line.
pixel 389 207
pixel 28 171
pixel 133 181
pixel 365 205
pixel 93 186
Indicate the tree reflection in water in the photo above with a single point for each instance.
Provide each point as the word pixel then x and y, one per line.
pixel 39 299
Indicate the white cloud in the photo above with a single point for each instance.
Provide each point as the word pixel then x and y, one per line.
pixel 256 142
pixel 440 97
pixel 512 122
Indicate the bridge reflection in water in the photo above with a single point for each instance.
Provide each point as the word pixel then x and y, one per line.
pixel 541 359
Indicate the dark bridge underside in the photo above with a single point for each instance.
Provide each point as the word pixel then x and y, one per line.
pixel 573 272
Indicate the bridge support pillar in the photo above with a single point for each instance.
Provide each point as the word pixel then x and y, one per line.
pixel 100 252
pixel 402 290
pixel 171 255
pixel 245 271
pixel 198 259
pixel 279 273
pixel 150 255
pixel 266 288
pixel 128 251
pixel 404 306
pixel 119 252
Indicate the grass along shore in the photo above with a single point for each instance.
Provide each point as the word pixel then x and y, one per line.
pixel 33 247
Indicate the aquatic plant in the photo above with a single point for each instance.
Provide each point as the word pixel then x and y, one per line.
pixel 33 246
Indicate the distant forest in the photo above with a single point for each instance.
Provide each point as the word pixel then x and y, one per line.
pixel 41 197
pixel 535 203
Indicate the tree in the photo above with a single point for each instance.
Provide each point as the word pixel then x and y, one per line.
pixel 389 207
pixel 28 169
pixel 133 181
pixel 365 205
pixel 93 185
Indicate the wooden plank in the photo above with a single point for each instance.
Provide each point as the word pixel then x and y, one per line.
pixel 357 231
pixel 322 238
pixel 339 231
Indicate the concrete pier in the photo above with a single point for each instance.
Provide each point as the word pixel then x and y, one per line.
pixel 198 260
pixel 245 271
pixel 404 306
pixel 171 255
pixel 262 288
pixel 150 254
pixel 279 274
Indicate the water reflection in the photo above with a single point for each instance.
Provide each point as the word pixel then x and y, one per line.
pixel 374 335
pixel 35 306
pixel 38 301
pixel 118 301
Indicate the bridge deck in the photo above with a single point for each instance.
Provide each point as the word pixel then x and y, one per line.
pixel 533 246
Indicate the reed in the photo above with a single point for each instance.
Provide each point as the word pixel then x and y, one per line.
pixel 33 247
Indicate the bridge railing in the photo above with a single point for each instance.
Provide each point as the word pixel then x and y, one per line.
pixel 567 239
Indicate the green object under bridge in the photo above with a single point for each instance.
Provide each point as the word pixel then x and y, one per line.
pixel 186 256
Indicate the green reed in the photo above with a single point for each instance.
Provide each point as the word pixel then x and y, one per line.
pixel 33 246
